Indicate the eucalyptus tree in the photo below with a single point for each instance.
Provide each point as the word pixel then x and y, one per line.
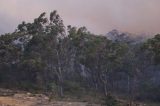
pixel 98 54
pixel 47 45
pixel 152 46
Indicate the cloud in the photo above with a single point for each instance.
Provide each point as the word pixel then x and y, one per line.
pixel 99 16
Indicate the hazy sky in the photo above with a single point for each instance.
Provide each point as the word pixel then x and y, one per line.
pixel 99 16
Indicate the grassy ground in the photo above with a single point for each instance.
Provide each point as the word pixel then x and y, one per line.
pixel 83 97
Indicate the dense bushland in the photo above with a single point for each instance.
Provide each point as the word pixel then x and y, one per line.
pixel 45 55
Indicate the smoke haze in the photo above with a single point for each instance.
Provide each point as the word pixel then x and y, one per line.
pixel 99 16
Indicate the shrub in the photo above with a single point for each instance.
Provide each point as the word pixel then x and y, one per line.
pixel 72 86
pixel 110 101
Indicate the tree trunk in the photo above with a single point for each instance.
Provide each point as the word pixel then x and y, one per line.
pixel 96 86
pixel 60 81
pixel 61 91
pixel 128 84
pixel 130 90
pixel 104 80
pixel 105 90
pixel 60 76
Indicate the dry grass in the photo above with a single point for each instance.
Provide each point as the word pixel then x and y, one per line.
pixel 9 101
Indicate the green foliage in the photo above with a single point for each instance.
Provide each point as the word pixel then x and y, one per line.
pixel 153 46
pixel 33 64
pixel 27 86
pixel 150 92
pixel 110 101
pixel 52 87
pixel 72 87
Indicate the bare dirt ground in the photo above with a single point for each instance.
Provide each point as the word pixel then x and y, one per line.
pixel 9 101
pixel 25 100
pixel 21 98
pixel 28 99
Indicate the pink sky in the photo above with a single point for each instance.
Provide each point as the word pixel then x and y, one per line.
pixel 99 16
